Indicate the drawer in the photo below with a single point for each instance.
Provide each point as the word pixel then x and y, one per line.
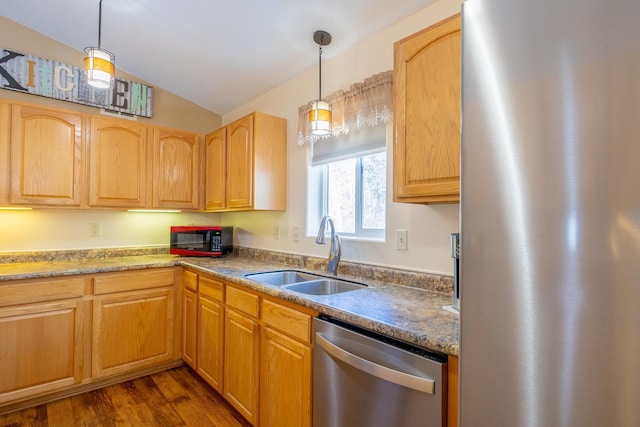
pixel 244 301
pixel 20 292
pixel 140 279
pixel 190 280
pixel 211 288
pixel 287 320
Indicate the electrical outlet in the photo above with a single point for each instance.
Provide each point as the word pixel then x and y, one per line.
pixel 95 229
pixel 276 232
pixel 296 234
pixel 401 240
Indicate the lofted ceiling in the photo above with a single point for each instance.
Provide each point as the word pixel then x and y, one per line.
pixel 218 54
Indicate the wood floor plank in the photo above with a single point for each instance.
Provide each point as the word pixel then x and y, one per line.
pixel 163 412
pixel 177 397
pixel 60 413
pixel 214 406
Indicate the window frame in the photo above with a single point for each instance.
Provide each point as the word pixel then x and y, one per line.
pixel 360 233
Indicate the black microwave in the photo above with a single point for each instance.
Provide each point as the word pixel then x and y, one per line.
pixel 194 240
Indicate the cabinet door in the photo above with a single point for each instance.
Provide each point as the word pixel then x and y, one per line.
pixel 132 330
pixel 42 348
pixel 216 170
pixel 118 163
pixel 210 342
pixel 240 163
pixel 47 149
pixel 426 83
pixel 5 133
pixel 176 169
pixel 241 364
pixel 285 381
pixel 189 327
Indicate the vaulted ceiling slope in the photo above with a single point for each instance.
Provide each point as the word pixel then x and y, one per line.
pixel 218 54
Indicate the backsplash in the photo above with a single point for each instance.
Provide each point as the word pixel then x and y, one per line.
pixel 389 275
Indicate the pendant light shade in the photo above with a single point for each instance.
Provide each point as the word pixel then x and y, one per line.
pixel 99 64
pixel 320 109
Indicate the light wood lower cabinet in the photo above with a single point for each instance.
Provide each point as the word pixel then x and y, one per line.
pixel 131 331
pixel 42 336
pixel 133 320
pixel 285 366
pixel 189 325
pixel 41 348
pixel 210 334
pixel 242 354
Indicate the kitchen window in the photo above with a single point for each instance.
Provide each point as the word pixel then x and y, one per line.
pixel 348 175
pixel 348 180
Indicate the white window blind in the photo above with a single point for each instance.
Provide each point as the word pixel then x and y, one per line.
pixel 361 142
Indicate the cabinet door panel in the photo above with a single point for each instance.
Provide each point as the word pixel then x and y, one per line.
pixel 132 331
pixel 216 170
pixel 285 381
pixel 241 364
pixel 427 115
pixel 118 164
pixel 46 156
pixel 240 163
pixel 189 327
pixel 41 348
pixel 176 170
pixel 5 133
pixel 210 342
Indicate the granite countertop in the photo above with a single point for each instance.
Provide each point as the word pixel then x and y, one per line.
pixel 409 314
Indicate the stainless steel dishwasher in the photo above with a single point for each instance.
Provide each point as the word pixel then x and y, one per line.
pixel 364 379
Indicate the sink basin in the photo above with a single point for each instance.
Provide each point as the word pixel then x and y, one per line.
pixel 279 278
pixel 324 287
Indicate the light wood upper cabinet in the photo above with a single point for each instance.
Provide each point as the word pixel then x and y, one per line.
pixel 5 133
pixel 47 151
pixel 240 163
pixel 118 163
pixel 176 169
pixel 255 171
pixel 216 170
pixel 426 81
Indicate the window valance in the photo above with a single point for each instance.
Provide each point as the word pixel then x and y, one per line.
pixel 369 103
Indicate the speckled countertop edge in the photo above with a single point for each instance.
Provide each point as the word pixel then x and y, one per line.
pixel 406 313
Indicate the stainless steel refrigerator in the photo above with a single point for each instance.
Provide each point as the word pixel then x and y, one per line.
pixel 550 213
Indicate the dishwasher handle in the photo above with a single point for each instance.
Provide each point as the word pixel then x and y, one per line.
pixel 403 379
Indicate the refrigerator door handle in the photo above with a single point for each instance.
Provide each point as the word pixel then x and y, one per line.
pixel 402 379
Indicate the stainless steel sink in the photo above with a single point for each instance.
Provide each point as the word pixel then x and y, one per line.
pixel 324 287
pixel 283 277
pixel 305 283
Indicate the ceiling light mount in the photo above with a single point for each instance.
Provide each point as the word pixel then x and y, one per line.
pixel 99 64
pixel 320 109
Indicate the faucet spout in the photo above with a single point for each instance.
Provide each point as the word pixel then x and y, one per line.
pixel 335 251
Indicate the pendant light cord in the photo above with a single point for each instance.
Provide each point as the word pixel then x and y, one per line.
pixel 319 72
pixel 99 24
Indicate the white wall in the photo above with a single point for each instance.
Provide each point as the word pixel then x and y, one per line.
pixel 49 229
pixel 428 227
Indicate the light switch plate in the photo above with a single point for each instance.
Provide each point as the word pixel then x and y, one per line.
pixel 401 240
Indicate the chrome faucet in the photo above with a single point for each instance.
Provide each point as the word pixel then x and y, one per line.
pixel 334 251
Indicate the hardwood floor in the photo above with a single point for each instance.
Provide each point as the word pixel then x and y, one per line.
pixel 177 397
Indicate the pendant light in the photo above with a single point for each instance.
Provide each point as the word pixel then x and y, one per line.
pixel 99 64
pixel 320 109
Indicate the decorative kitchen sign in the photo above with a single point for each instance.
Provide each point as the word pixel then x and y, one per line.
pixel 53 79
